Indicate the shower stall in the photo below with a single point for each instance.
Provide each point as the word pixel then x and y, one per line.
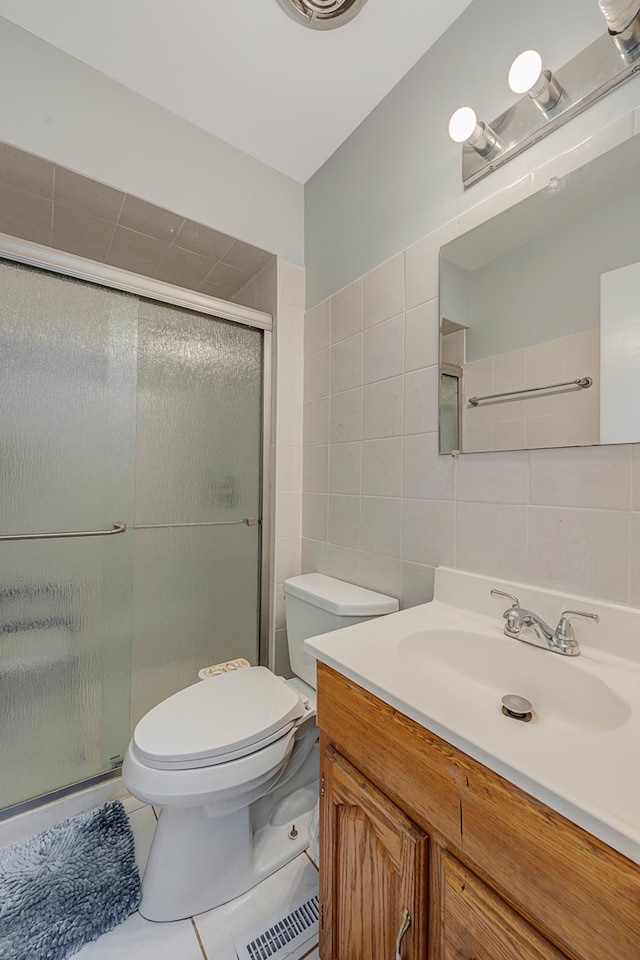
pixel 132 483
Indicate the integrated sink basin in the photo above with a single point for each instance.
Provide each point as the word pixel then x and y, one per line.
pixel 448 664
pixel 483 667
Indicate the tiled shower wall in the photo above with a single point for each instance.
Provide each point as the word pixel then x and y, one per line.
pixel 382 509
pixel 279 289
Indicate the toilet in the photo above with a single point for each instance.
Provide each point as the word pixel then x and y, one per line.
pixel 232 763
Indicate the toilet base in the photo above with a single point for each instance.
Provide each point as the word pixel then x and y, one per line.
pixel 198 862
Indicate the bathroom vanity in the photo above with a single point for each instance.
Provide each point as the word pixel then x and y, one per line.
pixel 485 869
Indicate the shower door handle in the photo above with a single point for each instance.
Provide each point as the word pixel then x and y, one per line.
pixel 59 535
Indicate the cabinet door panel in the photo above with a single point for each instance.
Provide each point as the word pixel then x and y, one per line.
pixel 373 864
pixel 478 925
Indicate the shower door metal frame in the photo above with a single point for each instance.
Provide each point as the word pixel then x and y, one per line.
pixel 69 265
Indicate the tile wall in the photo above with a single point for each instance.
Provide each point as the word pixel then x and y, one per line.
pixel 382 509
pixel 548 419
pixel 279 289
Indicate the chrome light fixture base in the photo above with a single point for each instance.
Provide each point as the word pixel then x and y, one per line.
pixel 322 14
pixel 605 64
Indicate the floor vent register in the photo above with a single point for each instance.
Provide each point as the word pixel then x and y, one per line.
pixel 292 936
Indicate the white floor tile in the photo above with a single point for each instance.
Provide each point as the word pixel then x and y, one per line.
pixel 139 939
pixel 221 928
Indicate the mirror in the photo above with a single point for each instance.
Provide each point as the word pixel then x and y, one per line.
pixel 540 316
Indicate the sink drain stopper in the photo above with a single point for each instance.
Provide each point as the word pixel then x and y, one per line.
pixel 519 708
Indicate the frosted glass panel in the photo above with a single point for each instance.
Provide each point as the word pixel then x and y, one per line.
pixel 196 604
pixel 67 436
pixel 118 410
pixel 199 417
pixel 198 463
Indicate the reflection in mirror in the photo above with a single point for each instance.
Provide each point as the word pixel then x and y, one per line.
pixel 528 357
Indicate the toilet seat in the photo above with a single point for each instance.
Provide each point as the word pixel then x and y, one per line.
pixel 217 720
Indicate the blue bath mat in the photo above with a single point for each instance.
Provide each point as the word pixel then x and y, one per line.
pixel 66 886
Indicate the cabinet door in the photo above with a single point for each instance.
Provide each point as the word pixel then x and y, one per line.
pixel 373 866
pixel 478 925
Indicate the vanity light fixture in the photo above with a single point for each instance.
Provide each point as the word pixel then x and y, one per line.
pixel 548 100
pixel 527 76
pixel 464 127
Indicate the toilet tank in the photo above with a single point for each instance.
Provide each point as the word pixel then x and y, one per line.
pixel 315 603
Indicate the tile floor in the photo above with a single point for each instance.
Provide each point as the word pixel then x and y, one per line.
pixel 211 935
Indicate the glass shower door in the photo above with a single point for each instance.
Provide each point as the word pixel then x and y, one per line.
pixel 198 482
pixel 67 442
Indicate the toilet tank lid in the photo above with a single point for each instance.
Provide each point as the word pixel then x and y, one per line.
pixel 338 596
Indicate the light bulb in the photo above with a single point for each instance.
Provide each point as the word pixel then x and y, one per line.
pixel 462 124
pixel 525 71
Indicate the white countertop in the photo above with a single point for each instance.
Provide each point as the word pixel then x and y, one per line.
pixel 447 667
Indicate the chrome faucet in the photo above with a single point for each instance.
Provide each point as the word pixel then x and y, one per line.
pixel 537 632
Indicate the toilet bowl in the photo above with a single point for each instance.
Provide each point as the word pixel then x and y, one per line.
pixel 232 763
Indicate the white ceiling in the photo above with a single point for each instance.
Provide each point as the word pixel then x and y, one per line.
pixel 242 69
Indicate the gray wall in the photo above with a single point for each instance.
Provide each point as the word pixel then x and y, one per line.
pixel 60 109
pixel 397 177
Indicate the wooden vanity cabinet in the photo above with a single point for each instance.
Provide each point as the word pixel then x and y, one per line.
pixel 374 868
pixel 486 871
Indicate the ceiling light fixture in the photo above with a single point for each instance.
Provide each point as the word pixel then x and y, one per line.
pixel 322 14
pixel 548 100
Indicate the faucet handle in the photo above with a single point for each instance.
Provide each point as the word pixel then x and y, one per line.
pixel 564 629
pixel 513 625
pixel 514 600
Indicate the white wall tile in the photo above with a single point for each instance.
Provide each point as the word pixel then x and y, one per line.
pixel 290 331
pixel 316 421
pixel 382 409
pixel 422 261
pixel 289 468
pixel 486 478
pixel 382 467
pixel 382 526
pixel 635 470
pixel 597 477
pixel 314 556
pixel 383 574
pixel 346 416
pixel 289 423
pixel 582 551
pixel 634 558
pixel 344 564
pixel 317 324
pixel 344 521
pixel 288 517
pixel 316 469
pixel 384 291
pixel 384 350
pixel 346 364
pixel 425 473
pixel 287 559
pixel 417 584
pixel 421 401
pixel 347 311
pixel 428 532
pixel 317 375
pixel 492 538
pixel 315 511
pixel 422 334
pixel 290 375
pixel 291 286
pixel 345 468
